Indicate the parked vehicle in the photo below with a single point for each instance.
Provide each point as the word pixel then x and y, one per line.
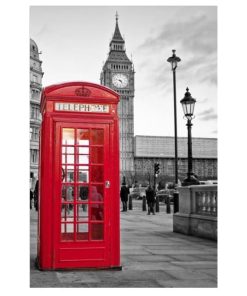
pixel 208 182
pixel 138 192
pixel 164 194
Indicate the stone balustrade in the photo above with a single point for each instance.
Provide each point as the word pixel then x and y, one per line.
pixel 205 202
pixel 197 211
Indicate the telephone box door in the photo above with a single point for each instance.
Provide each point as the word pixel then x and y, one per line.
pixel 82 184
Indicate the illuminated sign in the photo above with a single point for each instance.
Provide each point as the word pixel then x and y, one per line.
pixel 76 107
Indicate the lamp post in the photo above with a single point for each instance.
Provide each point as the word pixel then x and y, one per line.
pixel 174 63
pixel 188 104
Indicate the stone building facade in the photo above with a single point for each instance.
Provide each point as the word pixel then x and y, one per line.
pixel 36 75
pixel 151 149
pixel 118 74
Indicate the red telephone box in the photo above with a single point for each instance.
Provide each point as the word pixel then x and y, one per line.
pixel 79 178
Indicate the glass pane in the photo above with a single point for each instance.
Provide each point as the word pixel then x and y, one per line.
pixel 63 173
pixel 192 109
pixel 68 150
pixel 70 174
pixel 97 136
pixel 67 213
pixel 97 231
pixel 67 158
pixel 83 150
pixel 97 174
pixel 83 159
pixel 82 213
pixel 68 136
pixel 97 192
pixel 97 155
pixel 83 175
pixel 82 231
pixel 67 231
pixel 97 212
pixel 82 193
pixel 67 193
pixel 83 137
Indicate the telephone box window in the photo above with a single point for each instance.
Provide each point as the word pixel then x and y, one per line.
pixel 97 212
pixel 97 231
pixel 67 213
pixel 67 231
pixel 68 173
pixel 83 137
pixel 82 193
pixel 83 174
pixel 68 150
pixel 97 155
pixel 83 159
pixel 97 136
pixel 82 231
pixel 82 213
pixel 97 174
pixel 97 192
pixel 67 193
pixel 68 136
pixel 83 150
pixel 67 159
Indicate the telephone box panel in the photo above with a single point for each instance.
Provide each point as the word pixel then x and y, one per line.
pixel 79 178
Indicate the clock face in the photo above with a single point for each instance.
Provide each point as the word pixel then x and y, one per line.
pixel 120 80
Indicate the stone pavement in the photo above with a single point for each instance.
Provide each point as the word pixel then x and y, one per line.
pixel 151 256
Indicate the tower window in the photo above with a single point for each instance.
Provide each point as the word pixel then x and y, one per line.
pixel 35 78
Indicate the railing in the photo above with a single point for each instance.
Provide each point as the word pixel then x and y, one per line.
pixel 205 201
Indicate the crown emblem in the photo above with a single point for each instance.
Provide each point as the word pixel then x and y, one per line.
pixel 82 92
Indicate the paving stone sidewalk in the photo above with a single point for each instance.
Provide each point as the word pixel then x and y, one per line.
pixel 151 256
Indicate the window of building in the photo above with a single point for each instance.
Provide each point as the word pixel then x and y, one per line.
pixel 35 78
pixel 34 156
pixel 35 94
pixel 35 112
pixel 34 133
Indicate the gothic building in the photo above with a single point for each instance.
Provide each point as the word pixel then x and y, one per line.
pixel 118 74
pixel 36 75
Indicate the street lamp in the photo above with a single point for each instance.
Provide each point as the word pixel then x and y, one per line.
pixel 174 63
pixel 188 104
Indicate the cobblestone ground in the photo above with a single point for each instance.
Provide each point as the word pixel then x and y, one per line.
pixel 152 255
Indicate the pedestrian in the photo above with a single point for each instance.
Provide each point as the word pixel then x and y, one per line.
pixel 150 196
pixel 83 196
pixel 36 195
pixel 70 198
pixel 31 199
pixel 124 193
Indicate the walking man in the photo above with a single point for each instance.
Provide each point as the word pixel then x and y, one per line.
pixel 150 195
pixel 124 193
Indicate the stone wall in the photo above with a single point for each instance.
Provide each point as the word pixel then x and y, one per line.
pixel 197 211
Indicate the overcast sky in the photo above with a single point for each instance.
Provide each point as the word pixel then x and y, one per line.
pixel 74 41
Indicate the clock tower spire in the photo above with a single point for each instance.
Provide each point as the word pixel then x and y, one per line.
pixel 118 74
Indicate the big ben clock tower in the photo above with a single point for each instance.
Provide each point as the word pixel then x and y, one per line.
pixel 118 74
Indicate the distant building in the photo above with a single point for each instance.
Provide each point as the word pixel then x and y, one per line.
pixel 118 74
pixel 36 75
pixel 151 149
